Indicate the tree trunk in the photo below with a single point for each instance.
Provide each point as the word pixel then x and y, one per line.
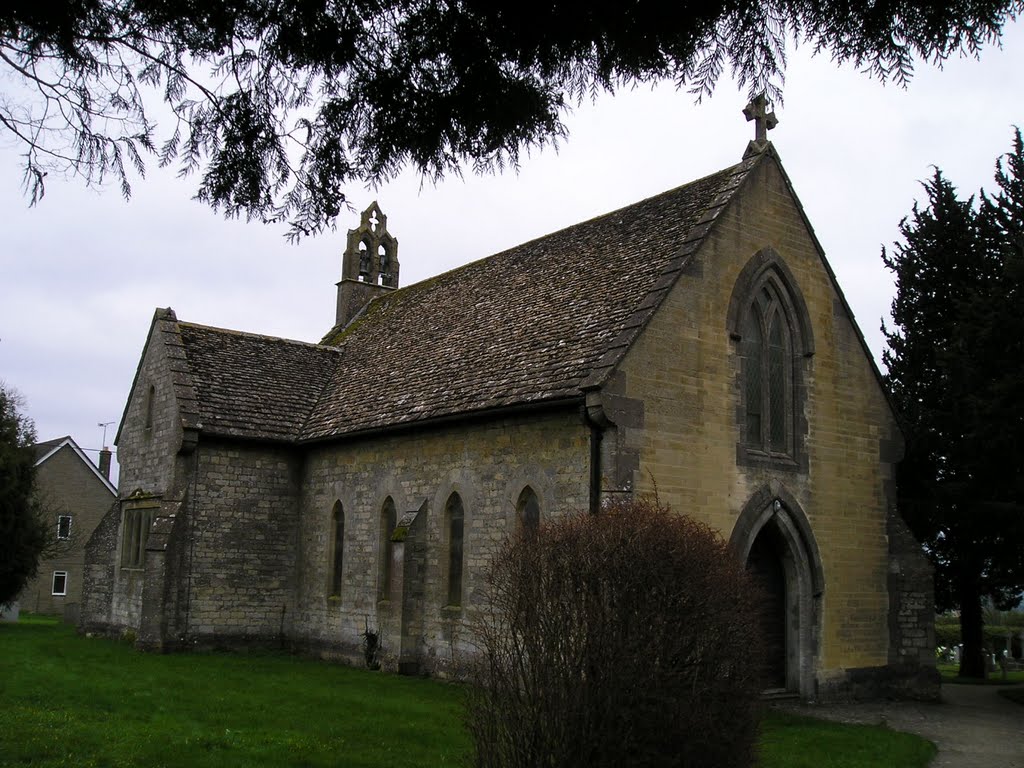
pixel 972 660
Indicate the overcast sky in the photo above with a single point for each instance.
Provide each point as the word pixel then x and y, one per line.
pixel 84 270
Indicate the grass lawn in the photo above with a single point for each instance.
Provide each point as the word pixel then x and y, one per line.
pixel 789 741
pixel 949 675
pixel 71 701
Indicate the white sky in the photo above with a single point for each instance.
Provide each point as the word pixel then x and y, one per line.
pixel 83 271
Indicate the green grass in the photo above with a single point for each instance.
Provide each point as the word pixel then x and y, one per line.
pixel 69 701
pixel 950 674
pixel 72 701
pixel 791 741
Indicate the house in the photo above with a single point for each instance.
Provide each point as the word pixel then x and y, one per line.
pixel 75 494
pixel 302 494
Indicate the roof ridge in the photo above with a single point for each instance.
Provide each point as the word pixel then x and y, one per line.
pixel 263 336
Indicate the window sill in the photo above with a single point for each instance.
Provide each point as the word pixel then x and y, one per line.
pixel 751 457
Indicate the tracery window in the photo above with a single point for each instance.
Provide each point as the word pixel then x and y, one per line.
pixel 769 322
pixel 768 376
pixel 454 515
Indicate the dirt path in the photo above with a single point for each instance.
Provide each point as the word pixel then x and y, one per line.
pixel 973 726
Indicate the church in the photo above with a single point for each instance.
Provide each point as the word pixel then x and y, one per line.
pixel 311 495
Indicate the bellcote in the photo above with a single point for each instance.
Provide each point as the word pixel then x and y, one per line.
pixel 369 266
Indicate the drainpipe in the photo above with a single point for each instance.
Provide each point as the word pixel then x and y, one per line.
pixel 596 433
pixel 595 418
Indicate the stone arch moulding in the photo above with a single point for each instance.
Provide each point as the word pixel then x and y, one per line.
pixel 764 261
pixel 534 478
pixel 767 270
pixel 772 506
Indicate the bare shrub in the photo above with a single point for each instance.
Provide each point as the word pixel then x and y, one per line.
pixel 621 639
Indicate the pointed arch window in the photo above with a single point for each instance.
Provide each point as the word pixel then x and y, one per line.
pixel 768 377
pixel 387 528
pixel 528 511
pixel 337 550
pixel 454 516
pixel 769 323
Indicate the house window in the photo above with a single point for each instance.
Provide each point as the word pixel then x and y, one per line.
pixel 63 527
pixel 528 509
pixel 134 533
pixel 768 374
pixel 60 583
pixel 454 516
pixel 337 552
pixel 387 529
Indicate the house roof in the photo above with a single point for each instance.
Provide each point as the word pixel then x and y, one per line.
pixel 48 448
pixel 538 323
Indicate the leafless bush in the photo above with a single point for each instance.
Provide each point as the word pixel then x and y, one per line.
pixel 622 639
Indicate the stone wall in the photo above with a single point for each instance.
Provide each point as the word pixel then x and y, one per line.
pixel 98 574
pixel 911 615
pixel 684 372
pixel 488 463
pixel 238 545
pixel 149 442
pixel 151 432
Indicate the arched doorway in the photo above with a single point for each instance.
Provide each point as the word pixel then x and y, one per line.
pixel 765 564
pixel 774 539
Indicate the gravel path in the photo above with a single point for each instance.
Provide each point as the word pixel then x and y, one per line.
pixel 973 726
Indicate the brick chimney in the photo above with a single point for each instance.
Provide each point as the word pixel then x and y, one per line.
pixel 105 462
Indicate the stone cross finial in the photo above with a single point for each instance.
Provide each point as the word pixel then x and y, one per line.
pixel 764 121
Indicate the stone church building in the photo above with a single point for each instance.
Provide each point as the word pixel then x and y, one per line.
pixel 294 494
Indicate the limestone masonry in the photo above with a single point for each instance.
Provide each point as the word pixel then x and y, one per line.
pixel 318 497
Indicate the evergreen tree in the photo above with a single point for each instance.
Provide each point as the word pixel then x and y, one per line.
pixel 23 533
pixel 279 106
pixel 955 370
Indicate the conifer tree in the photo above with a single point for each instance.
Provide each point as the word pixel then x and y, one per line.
pixel 23 533
pixel 278 107
pixel 955 367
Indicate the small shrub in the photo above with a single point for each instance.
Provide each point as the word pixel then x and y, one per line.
pixel 621 639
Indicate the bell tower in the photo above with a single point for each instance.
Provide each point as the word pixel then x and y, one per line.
pixel 369 267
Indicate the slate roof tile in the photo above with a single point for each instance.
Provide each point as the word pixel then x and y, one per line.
pixel 539 322
pixel 525 325
pixel 254 386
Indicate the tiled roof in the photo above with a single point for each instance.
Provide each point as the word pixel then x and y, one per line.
pixel 254 386
pixel 537 323
pixel 526 325
pixel 46 447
